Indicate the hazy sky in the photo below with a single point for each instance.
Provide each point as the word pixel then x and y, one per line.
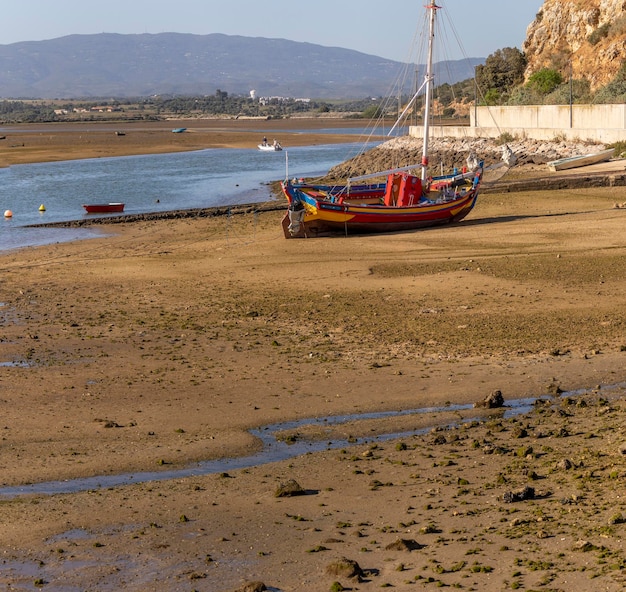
pixel 364 25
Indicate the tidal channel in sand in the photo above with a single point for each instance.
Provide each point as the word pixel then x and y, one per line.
pixel 293 444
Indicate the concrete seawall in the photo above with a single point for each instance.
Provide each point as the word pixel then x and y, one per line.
pixel 593 123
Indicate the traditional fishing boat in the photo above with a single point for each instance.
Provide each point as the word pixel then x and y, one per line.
pixel 104 208
pixel 404 201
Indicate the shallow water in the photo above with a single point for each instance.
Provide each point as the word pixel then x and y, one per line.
pixel 273 450
pixel 147 183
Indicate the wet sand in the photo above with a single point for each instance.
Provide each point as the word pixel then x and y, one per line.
pixel 166 343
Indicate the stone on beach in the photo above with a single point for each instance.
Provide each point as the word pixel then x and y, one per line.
pixel 492 401
pixel 346 568
pixel 289 488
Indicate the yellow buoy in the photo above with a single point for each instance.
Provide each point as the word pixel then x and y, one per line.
pixel 42 208
pixel 8 214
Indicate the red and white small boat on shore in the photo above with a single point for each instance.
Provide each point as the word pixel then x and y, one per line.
pixel 104 208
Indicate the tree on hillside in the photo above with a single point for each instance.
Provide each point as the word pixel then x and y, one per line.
pixel 502 71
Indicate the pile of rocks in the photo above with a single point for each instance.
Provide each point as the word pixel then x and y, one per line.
pixel 447 153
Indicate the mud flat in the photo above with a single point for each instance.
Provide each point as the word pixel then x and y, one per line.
pixel 29 143
pixel 165 344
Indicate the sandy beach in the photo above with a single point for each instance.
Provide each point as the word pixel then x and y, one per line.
pixel 165 343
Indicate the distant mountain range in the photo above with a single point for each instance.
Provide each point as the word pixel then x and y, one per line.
pixel 112 65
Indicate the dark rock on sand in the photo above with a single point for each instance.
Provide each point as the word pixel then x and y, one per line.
pixel 345 568
pixel 492 401
pixel 565 464
pixel 554 389
pixel 439 439
pixel 289 489
pixel 404 545
pixel 519 496
pixel 584 546
pixel 252 587
pixel 519 432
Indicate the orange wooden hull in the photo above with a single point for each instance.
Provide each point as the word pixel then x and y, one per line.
pixel 316 210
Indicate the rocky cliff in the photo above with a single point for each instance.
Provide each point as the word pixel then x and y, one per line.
pixel 588 36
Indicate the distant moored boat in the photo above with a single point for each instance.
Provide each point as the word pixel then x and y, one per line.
pixel 273 147
pixel 104 208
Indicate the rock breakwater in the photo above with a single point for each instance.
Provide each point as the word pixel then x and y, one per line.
pixel 445 154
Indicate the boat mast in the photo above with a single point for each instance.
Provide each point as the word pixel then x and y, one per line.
pixel 429 83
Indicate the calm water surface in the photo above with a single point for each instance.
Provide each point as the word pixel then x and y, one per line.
pixel 149 183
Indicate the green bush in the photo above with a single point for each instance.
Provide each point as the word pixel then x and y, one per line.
pixel 545 81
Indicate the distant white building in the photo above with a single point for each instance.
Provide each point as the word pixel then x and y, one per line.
pixel 268 100
pixel 253 94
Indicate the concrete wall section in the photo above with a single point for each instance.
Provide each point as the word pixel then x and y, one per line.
pixel 594 123
pixel 558 117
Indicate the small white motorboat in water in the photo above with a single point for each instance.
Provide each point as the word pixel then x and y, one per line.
pixel 273 147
